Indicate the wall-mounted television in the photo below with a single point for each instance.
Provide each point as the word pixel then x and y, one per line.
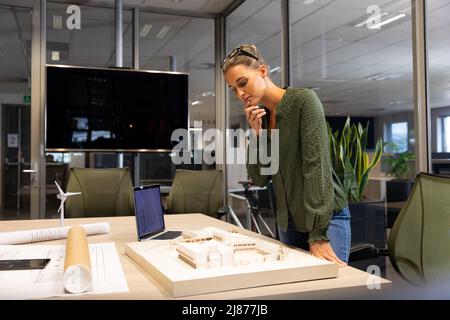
pixel 113 109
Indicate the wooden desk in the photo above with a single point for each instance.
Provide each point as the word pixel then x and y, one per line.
pixel 351 282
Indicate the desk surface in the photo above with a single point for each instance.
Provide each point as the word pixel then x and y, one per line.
pixel 350 282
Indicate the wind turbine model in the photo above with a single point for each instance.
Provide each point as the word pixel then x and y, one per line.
pixel 63 197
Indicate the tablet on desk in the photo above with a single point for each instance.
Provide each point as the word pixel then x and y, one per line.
pixel 23 264
pixel 149 214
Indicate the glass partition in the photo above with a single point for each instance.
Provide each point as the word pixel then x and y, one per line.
pixel 15 112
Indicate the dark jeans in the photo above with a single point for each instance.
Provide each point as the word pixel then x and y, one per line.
pixel 339 233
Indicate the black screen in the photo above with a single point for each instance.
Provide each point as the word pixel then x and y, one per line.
pixel 90 108
pixel 148 210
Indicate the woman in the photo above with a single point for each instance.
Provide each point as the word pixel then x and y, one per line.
pixel 312 211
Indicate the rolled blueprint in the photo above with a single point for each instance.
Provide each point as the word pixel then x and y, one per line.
pixel 77 261
pixel 35 235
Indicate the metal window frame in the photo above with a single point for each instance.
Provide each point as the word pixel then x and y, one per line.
pixel 221 98
pixel 286 75
pixel 422 114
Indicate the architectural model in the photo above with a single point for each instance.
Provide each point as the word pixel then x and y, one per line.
pixel 213 259
pixel 213 247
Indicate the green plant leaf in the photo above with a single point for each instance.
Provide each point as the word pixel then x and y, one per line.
pixel 399 163
pixel 364 137
pixel 350 184
pixel 358 162
pixel 363 183
pixel 377 155
pixel 351 163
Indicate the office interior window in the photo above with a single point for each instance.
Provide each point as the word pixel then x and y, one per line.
pixel 438 25
pixel 91 42
pixel 443 134
pixel 255 22
pixel 358 59
pixel 180 44
pixel 396 137
pixel 88 42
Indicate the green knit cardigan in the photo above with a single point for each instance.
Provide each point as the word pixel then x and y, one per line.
pixel 305 185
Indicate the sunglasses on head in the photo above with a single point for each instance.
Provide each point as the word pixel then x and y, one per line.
pixel 236 52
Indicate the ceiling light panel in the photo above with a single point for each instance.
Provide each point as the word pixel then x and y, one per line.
pixel 57 22
pixel 145 29
pixel 162 33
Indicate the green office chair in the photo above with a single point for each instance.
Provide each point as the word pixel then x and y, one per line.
pixel 104 193
pixel 196 191
pixel 419 243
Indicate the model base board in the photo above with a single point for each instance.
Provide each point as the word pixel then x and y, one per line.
pixel 214 260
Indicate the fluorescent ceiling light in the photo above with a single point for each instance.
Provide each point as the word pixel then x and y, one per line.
pixel 55 55
pixel 308 2
pixel 275 69
pixel 384 76
pixel 196 102
pixel 370 19
pixel 374 76
pixel 57 22
pixel 162 33
pixel 145 29
pixel 399 102
pixel 382 23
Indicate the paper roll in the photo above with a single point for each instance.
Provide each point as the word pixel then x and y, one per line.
pixel 77 263
pixel 36 235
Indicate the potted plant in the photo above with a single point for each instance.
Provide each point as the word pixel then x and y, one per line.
pixel 350 159
pixel 401 167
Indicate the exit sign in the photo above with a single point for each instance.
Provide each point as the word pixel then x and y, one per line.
pixel 26 99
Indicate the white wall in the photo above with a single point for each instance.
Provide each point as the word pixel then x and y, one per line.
pixel 435 113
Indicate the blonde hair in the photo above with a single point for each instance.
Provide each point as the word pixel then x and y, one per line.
pixel 244 59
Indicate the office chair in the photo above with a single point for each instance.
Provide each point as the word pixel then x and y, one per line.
pixel 104 192
pixel 419 243
pixel 196 191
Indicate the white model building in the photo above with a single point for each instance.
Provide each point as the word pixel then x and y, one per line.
pixel 213 247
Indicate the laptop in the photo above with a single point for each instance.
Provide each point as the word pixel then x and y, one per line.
pixel 149 214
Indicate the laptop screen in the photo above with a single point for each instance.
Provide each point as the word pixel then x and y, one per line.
pixel 148 211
